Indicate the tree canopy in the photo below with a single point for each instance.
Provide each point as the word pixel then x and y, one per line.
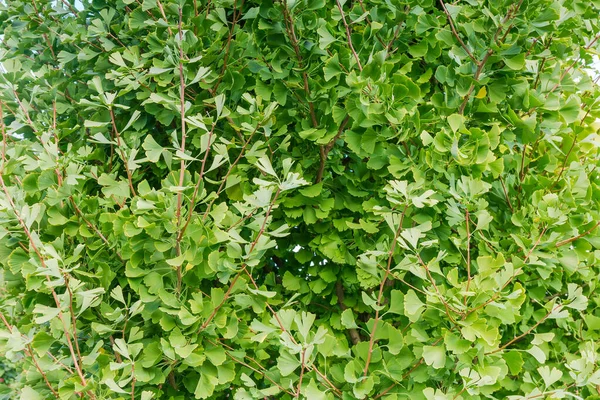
pixel 245 199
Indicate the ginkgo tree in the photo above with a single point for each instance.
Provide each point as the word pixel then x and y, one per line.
pixel 289 199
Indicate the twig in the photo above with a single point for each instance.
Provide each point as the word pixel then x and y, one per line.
pixel 3 129
pixel 236 15
pixel 381 288
pixel 70 7
pixel 289 23
pixel 499 292
pixel 162 12
pixel 506 195
pixel 61 317
pixel 516 338
pixel 570 240
pixel 481 64
pixel 407 374
pixel 456 35
pixel 301 374
pixel 324 150
pixel 339 290
pixel 118 137
pixel 182 149
pixel 261 372
pixel 468 222
pixel 570 67
pixel 229 171
pixel 29 351
pixel 133 380
pixel 235 279
pixel 348 36
pixel 437 290
pixel 197 186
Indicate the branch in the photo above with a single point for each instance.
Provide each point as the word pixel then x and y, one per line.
pixel 29 352
pixel 506 195
pixel 289 24
pixel 324 150
pixel 197 187
pixel 407 374
pixel 570 67
pixel 455 33
pixel 301 374
pixel 348 36
pixel 236 15
pixel 517 338
pixel 468 222
pixel 252 246
pixel 480 64
pixel 61 317
pixel 122 153
pixel 339 290
pixel 222 185
pixel 260 372
pixel 499 292
pixel 570 240
pixel 182 148
pixel 162 12
pixel 381 287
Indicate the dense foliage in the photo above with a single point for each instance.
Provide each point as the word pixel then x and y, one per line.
pixel 301 199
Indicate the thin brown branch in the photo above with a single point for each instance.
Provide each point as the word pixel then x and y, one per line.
pixel 407 374
pixel 570 67
pixel 439 294
pixel 348 35
pixel 324 150
pixel 468 223
pixel 262 370
pixel 236 15
pixel 302 362
pixel 570 240
pixel 121 151
pixel 339 290
pixel 512 11
pixel 182 148
pixel 76 361
pixel 381 288
pixel 289 23
pixel 456 35
pixel 3 130
pixel 29 352
pixel 229 171
pixel 25 112
pixel 72 312
pixel 506 195
pixel 197 186
pixel 162 12
pixel 499 292
pixel 243 268
pixel 480 66
pixel 70 7
pixel 92 226
pixel 517 338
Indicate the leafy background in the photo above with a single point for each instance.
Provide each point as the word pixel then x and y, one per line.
pixel 321 199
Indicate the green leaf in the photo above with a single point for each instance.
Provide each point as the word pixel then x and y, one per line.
pixel 516 63
pixel 549 376
pixel 348 319
pixel 434 356
pixel 413 306
pixel 514 361
pixel 332 68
